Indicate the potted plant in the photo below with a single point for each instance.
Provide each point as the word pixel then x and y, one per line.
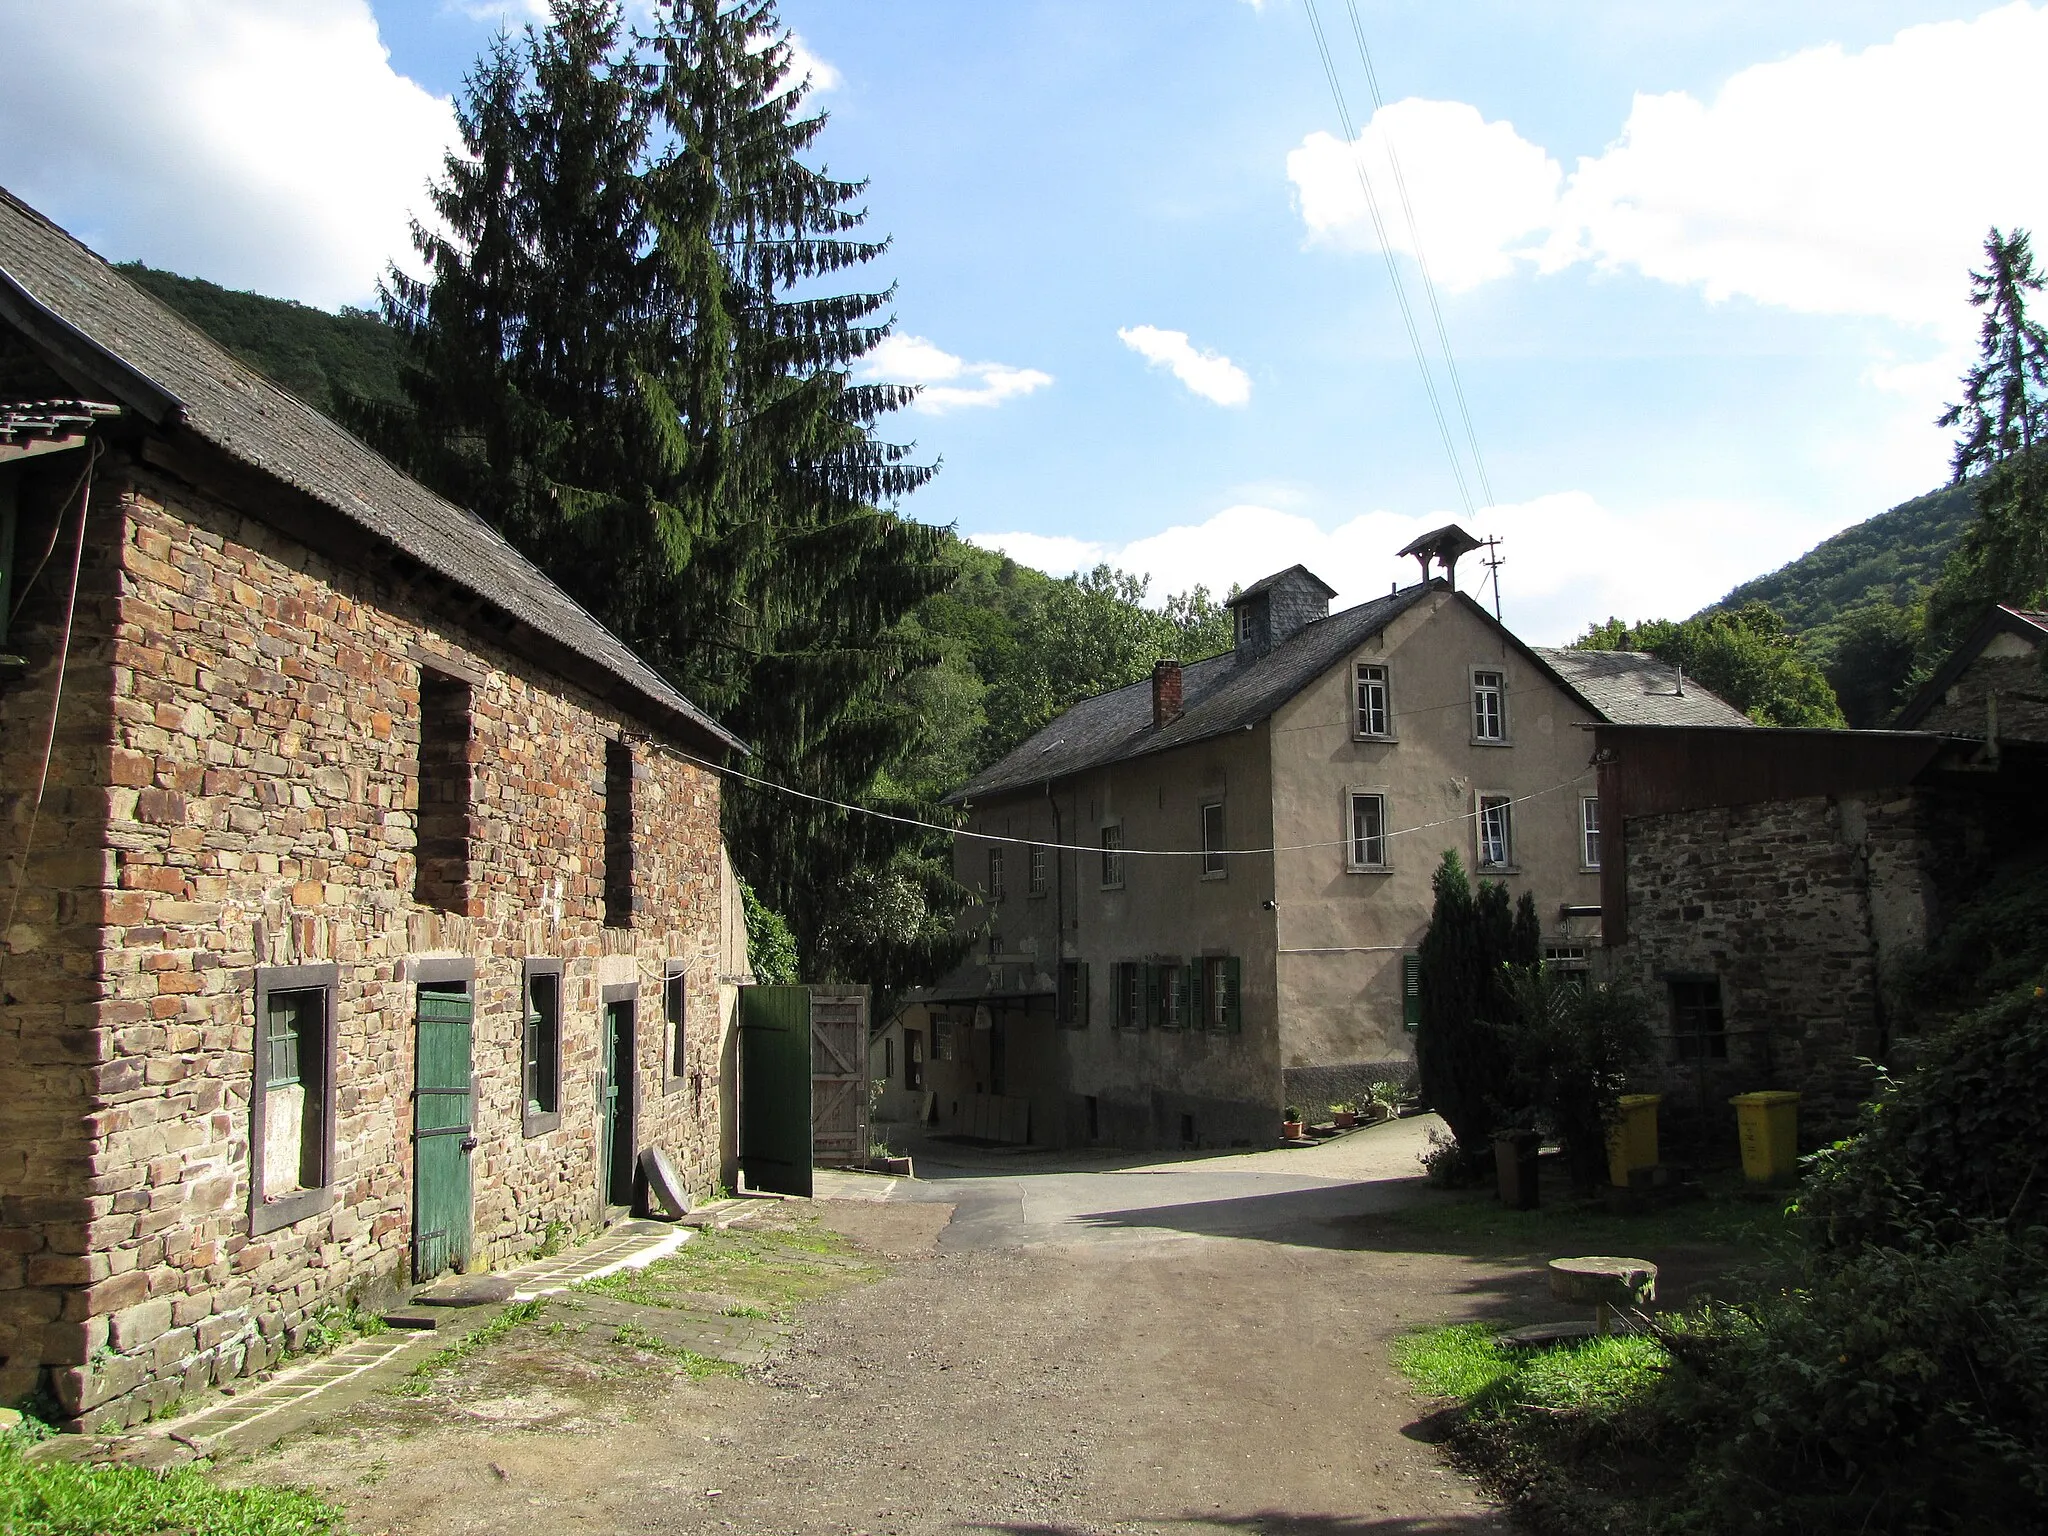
pixel 1345 1116
pixel 1290 1124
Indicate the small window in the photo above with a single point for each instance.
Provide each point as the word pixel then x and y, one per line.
pixel 1374 718
pixel 441 873
pixel 1489 706
pixel 944 1034
pixel 1073 995
pixel 995 874
pixel 995 946
pixel 618 833
pixel 1130 995
pixel 1038 879
pixel 913 1059
pixel 1368 831
pixel 541 1047
pixel 1589 832
pixel 1496 845
pixel 1697 1025
pixel 1220 994
pixel 888 1058
pixel 1113 857
pixel 291 1131
pixel 674 1006
pixel 1411 991
pixel 1214 865
pixel 1566 957
pixel 1170 995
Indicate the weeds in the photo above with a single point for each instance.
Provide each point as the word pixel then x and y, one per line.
pixel 420 1380
pixel 554 1237
pixel 697 1367
pixel 767 1272
pixel 66 1498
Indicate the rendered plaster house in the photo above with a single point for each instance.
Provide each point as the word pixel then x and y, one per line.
pixel 1760 884
pixel 361 919
pixel 1202 895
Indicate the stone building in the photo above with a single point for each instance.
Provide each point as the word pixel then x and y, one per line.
pixel 1201 896
pixel 1760 884
pixel 365 912
pixel 1995 685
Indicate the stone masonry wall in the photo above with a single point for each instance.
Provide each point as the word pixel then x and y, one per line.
pixel 1774 900
pixel 51 906
pixel 261 795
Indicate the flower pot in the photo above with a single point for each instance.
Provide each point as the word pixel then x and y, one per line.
pixel 1514 1157
pixel 1346 1119
pixel 1290 1130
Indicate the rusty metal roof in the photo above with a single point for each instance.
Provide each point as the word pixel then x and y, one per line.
pixel 94 325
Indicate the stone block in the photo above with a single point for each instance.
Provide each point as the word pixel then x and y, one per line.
pixel 138 1325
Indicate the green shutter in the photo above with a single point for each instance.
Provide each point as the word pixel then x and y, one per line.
pixel 1233 995
pixel 1411 990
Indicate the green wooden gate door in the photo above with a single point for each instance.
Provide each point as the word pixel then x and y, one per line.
pixel 775 1089
pixel 443 1134
pixel 617 1135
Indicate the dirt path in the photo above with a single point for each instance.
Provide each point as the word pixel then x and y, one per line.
pixel 1124 1367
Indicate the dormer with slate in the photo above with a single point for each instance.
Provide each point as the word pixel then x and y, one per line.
pixel 1271 611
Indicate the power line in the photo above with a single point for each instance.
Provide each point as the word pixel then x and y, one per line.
pixel 1443 334
pixel 1372 205
pixel 1032 842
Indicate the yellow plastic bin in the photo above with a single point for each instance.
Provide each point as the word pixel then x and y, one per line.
pixel 1632 1142
pixel 1769 1126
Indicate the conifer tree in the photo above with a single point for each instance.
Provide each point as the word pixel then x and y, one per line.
pixel 2002 447
pixel 608 363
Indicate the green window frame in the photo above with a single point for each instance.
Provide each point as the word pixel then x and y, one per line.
pixel 540 1049
pixel 1411 991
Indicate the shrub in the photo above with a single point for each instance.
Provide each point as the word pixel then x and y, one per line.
pixel 1460 1055
pixel 1572 1046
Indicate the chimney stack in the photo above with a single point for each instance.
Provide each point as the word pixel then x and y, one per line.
pixel 1165 694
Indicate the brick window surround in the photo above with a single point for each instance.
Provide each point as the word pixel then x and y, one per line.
pixel 315 1074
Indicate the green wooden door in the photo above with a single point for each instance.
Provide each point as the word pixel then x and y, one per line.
pixel 443 1135
pixel 616 1149
pixel 775 1089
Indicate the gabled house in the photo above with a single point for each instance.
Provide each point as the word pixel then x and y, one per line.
pixel 1201 895
pixel 1993 686
pixel 363 911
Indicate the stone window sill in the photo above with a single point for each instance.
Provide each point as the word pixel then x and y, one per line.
pixel 288 1210
pixel 533 1122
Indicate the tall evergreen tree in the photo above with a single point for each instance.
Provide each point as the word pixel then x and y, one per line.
pixel 2002 447
pixel 609 363
pixel 1462 1040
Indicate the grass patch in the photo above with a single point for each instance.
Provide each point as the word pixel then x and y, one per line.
pixel 420 1380
pixel 65 1498
pixel 761 1272
pixel 697 1367
pixel 1598 1376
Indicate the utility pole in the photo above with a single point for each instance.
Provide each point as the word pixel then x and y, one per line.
pixel 1493 562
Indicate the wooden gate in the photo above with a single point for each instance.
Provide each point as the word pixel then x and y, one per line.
pixel 839 1076
pixel 443 1134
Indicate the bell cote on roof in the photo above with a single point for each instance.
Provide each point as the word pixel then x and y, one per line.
pixel 1271 611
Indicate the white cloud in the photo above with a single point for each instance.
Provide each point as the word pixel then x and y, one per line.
pixel 803 62
pixel 261 145
pixel 945 382
pixel 1828 182
pixel 1209 374
pixel 1570 560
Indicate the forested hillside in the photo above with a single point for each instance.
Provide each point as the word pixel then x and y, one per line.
pixel 317 356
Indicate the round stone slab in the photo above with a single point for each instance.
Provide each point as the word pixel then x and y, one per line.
pixel 1603 1280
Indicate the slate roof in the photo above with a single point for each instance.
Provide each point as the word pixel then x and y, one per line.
pixel 1632 688
pixel 1267 583
pixel 1220 695
pixel 95 323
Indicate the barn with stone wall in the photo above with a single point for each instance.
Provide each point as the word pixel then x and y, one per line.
pixel 365 906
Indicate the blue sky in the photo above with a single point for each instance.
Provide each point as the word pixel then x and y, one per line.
pixel 1703 268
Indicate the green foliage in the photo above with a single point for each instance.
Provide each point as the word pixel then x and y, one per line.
pixel 1460 1050
pixel 1747 656
pixel 1604 1377
pixel 1870 654
pixel 1572 1046
pixel 67 1498
pixel 326 360
pixel 420 1379
pixel 771 951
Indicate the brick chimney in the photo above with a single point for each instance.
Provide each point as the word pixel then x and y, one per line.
pixel 1165 694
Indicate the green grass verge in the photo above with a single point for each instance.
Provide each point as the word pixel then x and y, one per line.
pixel 420 1379
pixel 66 1498
pixel 758 1272
pixel 1597 1376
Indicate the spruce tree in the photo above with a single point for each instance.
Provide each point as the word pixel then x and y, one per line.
pixel 2002 448
pixel 608 363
